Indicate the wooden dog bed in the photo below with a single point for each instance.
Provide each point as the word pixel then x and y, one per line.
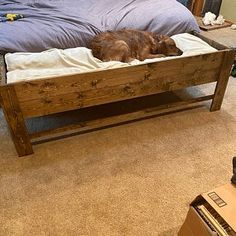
pixel 42 97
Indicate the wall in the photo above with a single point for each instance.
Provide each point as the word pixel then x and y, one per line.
pixel 228 10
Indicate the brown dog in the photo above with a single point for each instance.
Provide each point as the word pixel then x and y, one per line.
pixel 127 45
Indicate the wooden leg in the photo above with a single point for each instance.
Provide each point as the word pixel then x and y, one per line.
pixel 15 120
pixel 222 81
pixel 197 7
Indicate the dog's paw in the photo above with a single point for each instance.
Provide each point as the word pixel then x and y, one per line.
pixel 161 55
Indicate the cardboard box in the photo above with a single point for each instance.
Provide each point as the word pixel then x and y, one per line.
pixel 218 204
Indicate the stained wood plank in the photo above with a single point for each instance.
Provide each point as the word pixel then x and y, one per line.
pixel 15 121
pixel 50 105
pixel 116 85
pixel 115 77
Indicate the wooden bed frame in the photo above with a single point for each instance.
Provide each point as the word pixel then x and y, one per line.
pixel 42 97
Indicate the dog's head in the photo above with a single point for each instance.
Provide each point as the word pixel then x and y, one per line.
pixel 166 45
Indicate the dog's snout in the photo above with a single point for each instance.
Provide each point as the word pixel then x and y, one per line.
pixel 177 52
pixel 180 52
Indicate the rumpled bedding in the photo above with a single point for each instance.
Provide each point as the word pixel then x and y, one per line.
pixel 72 23
pixel 58 62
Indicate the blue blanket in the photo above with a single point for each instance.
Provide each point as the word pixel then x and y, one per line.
pixel 72 23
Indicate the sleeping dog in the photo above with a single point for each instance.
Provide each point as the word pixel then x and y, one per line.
pixel 128 44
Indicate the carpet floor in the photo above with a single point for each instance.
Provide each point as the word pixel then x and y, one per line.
pixel 132 179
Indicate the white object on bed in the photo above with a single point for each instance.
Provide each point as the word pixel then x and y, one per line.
pixel 233 27
pixel 58 62
pixel 210 19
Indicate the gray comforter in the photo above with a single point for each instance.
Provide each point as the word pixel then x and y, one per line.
pixel 72 23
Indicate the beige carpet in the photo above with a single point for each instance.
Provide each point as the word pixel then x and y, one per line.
pixel 133 179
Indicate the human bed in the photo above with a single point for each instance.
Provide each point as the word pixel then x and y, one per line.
pixel 46 96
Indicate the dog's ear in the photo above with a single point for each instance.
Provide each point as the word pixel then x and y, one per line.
pixel 162 48
pixel 162 37
pixel 157 37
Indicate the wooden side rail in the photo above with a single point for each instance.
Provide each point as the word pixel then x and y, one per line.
pixel 49 96
pixel 85 126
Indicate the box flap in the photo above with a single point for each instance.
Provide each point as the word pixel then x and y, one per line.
pixel 223 200
pixel 194 225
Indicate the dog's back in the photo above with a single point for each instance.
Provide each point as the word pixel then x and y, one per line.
pixel 121 45
pixel 128 44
